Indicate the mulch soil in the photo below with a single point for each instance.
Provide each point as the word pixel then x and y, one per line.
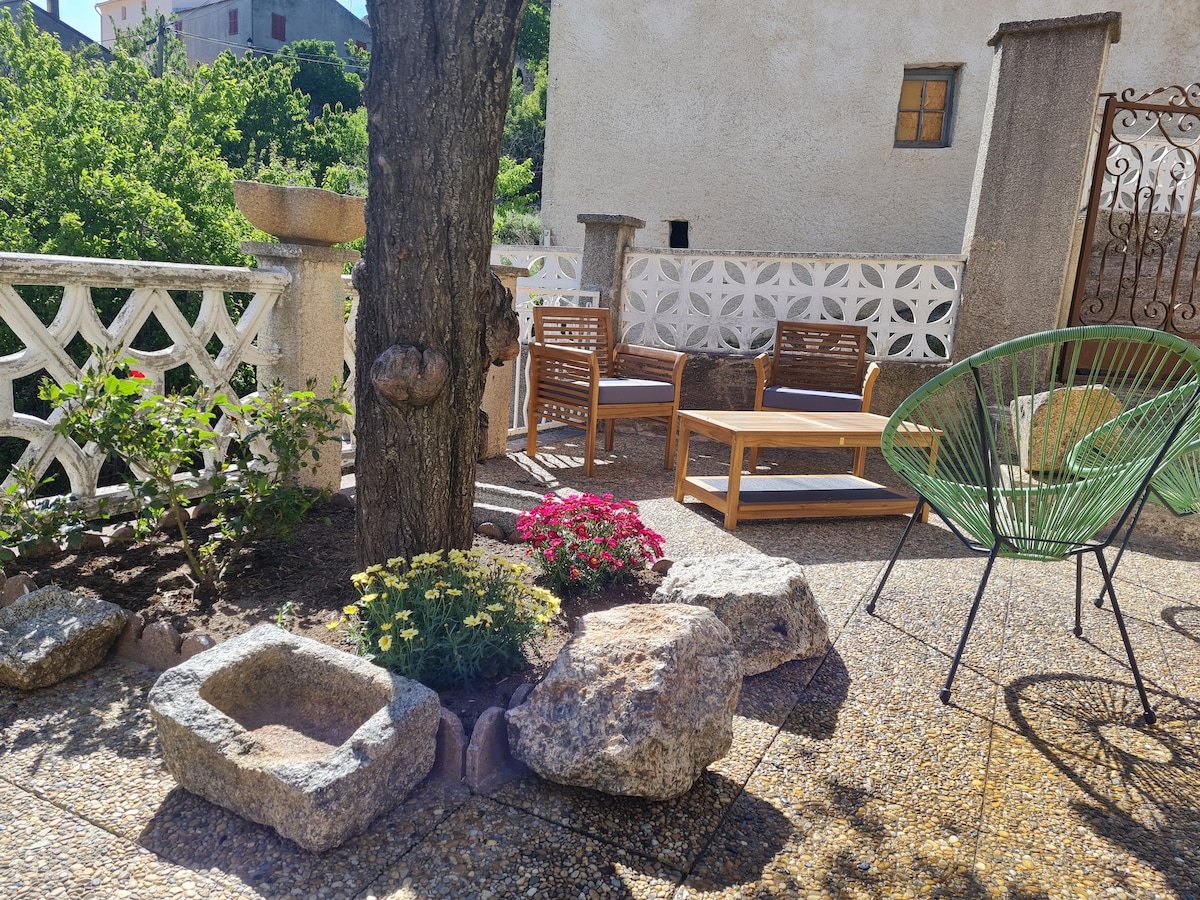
pixel 311 573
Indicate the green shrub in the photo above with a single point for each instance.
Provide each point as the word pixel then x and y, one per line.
pixel 446 620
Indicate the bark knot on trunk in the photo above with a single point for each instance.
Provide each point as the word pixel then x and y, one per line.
pixel 404 375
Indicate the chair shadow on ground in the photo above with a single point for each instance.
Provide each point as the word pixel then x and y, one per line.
pixel 1173 616
pixel 1140 784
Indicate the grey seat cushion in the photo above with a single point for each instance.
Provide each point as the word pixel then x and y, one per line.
pixel 635 390
pixel 811 401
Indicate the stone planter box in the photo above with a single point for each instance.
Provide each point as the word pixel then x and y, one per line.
pixel 290 733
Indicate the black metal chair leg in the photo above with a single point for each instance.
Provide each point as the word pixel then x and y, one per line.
pixel 1099 601
pixel 944 695
pixel 895 555
pixel 1079 594
pixel 1150 718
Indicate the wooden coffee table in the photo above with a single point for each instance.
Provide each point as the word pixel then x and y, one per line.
pixel 787 496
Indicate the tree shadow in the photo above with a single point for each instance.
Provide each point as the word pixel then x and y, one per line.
pixel 101 711
pixel 1141 784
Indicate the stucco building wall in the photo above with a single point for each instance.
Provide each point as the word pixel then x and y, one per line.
pixel 770 127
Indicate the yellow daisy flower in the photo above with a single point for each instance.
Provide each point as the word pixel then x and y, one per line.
pixel 409 633
pixel 350 610
pixel 386 626
pixel 385 643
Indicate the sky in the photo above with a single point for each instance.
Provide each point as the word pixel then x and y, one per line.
pixel 82 15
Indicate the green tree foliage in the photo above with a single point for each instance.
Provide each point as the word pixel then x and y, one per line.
pixel 533 41
pixel 104 160
pixel 323 75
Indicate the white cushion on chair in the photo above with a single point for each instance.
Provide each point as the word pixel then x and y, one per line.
pixel 635 390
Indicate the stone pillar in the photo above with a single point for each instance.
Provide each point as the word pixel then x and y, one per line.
pixel 499 387
pixel 605 240
pixel 307 326
pixel 1033 157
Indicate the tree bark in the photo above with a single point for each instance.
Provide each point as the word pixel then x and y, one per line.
pixel 436 98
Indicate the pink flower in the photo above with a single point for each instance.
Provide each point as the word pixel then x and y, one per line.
pixel 134 373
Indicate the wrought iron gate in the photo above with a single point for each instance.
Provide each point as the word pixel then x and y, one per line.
pixel 1140 262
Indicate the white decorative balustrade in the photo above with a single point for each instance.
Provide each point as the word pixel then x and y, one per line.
pixel 729 302
pixel 213 346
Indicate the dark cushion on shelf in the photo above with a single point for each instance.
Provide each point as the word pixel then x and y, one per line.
pixel 635 390
pixel 810 401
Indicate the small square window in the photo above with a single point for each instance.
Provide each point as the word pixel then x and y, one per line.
pixel 178 27
pixel 278 27
pixel 124 13
pixel 923 114
pixel 233 22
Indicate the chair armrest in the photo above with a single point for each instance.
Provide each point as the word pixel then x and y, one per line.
pixel 566 362
pixel 869 385
pixel 762 370
pixel 651 363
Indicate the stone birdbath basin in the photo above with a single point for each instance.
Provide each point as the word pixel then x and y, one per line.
pixel 301 215
pixel 290 733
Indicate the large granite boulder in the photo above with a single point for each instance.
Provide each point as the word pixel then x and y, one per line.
pixel 1048 425
pixel 638 702
pixel 764 601
pixel 50 634
pixel 290 733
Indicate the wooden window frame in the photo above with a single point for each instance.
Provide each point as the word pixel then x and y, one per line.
pixel 233 22
pixel 947 75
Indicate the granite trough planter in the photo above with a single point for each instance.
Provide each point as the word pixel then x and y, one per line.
pixel 301 215
pixel 290 733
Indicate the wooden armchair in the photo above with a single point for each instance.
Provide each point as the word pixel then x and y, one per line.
pixel 816 367
pixel 578 377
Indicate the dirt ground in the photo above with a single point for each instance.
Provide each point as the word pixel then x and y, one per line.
pixel 312 573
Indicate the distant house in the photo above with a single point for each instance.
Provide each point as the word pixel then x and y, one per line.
pixel 47 20
pixel 210 26
pixel 843 127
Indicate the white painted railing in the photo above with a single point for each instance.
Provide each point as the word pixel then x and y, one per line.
pixel 50 349
pixel 729 302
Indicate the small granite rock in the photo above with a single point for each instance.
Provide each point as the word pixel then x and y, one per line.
pixel 91 541
pixel 491 530
pixel 51 634
pixel 489 761
pixel 638 703
pixel 765 602
pixel 662 566
pixel 451 747
pixel 193 644
pixel 16 586
pixel 122 534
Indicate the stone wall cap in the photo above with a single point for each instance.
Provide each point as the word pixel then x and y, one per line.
pixel 1110 19
pixel 806 254
pixel 299 251
pixel 603 219
pixel 518 271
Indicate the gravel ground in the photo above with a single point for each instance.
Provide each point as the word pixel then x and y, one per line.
pixel 847 777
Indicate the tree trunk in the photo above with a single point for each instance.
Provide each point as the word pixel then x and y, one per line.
pixel 429 307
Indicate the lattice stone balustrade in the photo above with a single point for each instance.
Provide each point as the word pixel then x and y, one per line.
pixel 44 350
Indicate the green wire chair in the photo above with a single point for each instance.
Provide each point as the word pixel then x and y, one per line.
pixel 1059 502
pixel 1176 482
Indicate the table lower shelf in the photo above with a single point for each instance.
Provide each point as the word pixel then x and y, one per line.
pixel 800 496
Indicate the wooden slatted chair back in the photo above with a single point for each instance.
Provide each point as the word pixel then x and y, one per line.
pixel 820 356
pixel 572 326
